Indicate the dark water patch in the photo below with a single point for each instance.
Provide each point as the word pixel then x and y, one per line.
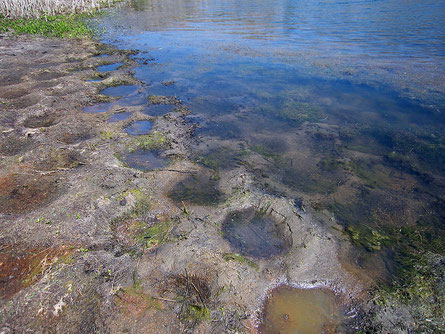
pixel 201 189
pixel 41 121
pixel 121 116
pixel 109 67
pixel 139 128
pixel 145 160
pixel 95 79
pixel 121 90
pixel 303 311
pixel 98 108
pixel 158 109
pixel 221 158
pixel 256 233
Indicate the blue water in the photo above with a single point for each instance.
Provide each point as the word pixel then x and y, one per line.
pixel 121 116
pixel 139 128
pixel 109 67
pixel 339 104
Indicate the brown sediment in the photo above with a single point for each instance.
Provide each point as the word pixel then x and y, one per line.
pixel 21 267
pixel 20 193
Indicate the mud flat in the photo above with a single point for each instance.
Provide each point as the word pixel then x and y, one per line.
pixel 89 244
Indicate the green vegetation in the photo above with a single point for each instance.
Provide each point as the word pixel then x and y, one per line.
pixel 156 234
pixel 63 26
pixel 153 141
pixel 240 259
pixel 195 313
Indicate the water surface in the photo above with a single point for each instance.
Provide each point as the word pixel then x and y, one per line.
pixel 338 104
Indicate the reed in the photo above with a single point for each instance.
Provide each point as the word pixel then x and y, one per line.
pixel 37 8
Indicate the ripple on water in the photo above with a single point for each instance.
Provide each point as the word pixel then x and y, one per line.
pixel 302 311
pixel 139 128
pixel 145 160
pixel 109 67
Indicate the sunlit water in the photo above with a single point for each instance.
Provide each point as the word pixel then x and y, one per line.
pixel 336 104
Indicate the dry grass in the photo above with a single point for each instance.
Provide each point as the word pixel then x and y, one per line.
pixel 37 8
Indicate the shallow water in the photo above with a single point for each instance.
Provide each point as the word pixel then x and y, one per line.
pixel 339 104
pixel 121 116
pixel 145 160
pixel 301 311
pixel 139 128
pixel 255 233
pixel 98 108
pixel 121 90
pixel 109 67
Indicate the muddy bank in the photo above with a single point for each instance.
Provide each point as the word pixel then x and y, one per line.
pixel 110 224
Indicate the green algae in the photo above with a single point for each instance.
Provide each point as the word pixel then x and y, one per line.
pixel 153 141
pixel 156 234
pixel 240 259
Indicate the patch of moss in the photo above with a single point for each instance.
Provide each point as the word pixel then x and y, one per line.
pixel 371 239
pixel 143 201
pixel 152 141
pixel 240 259
pixel 195 313
pixel 156 234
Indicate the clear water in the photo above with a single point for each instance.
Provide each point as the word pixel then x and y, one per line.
pixel 98 108
pixel 339 104
pixel 145 160
pixel 139 128
pixel 109 67
pixel 121 116
pixel 121 90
